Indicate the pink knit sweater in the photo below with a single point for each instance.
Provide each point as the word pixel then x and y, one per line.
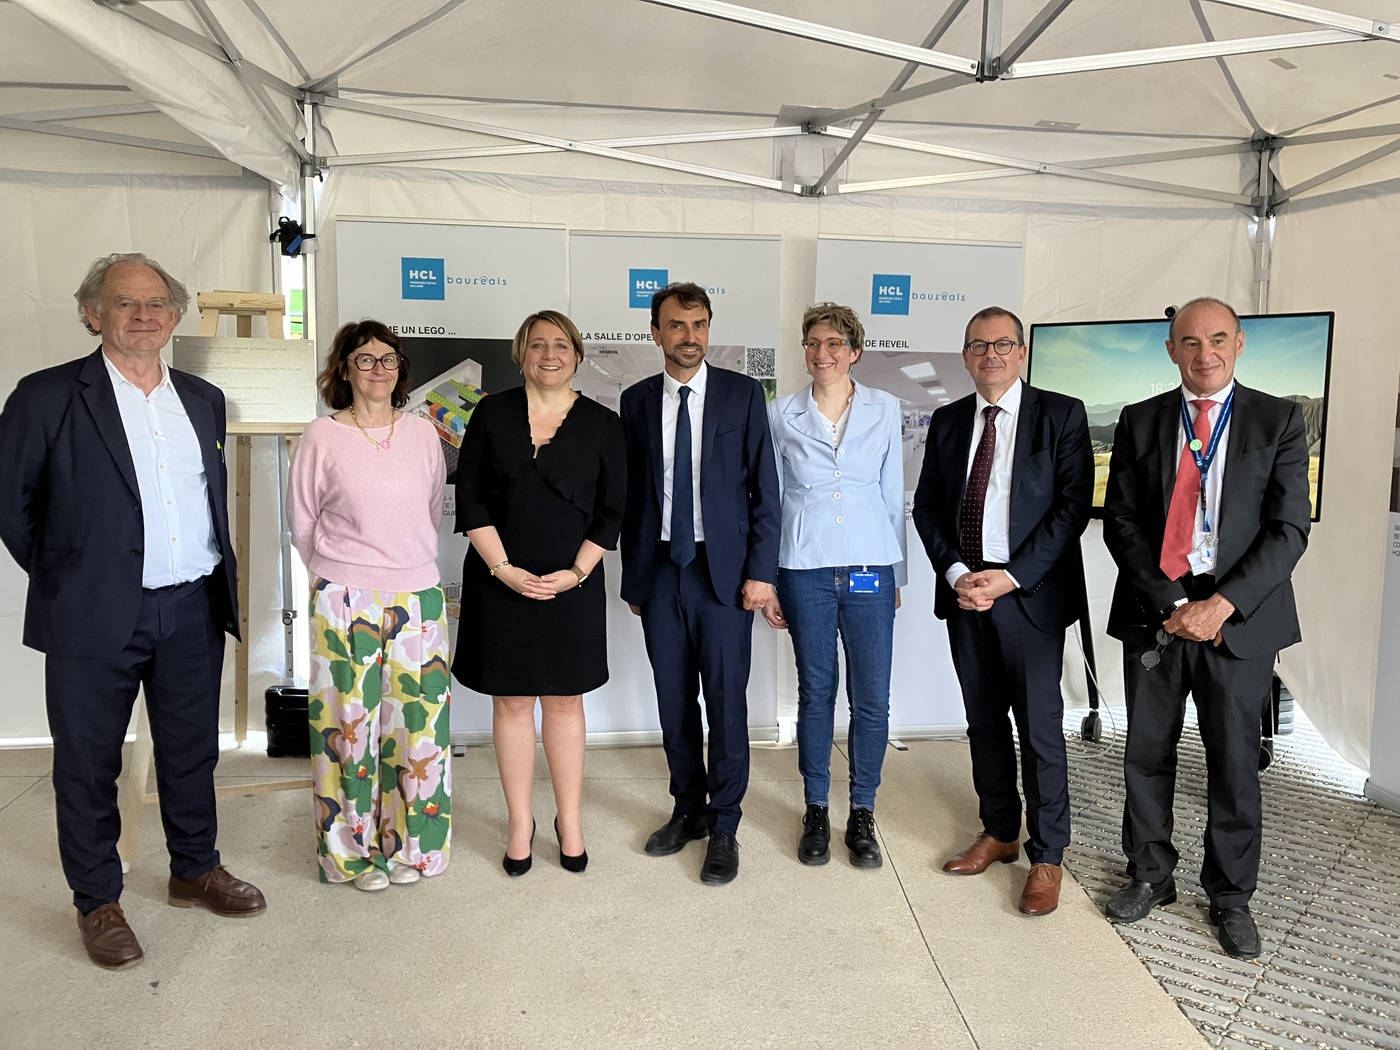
pixel 367 517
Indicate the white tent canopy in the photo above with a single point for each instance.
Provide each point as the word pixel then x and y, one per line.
pixel 1175 98
pixel 1132 147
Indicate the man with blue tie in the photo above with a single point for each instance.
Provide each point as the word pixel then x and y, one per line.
pixel 699 555
pixel 113 500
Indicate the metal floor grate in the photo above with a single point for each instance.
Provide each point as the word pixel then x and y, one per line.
pixel 1328 903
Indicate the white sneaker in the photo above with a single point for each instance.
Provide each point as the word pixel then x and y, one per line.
pixel 403 874
pixel 372 880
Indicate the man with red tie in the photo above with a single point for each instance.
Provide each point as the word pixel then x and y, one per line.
pixel 1003 497
pixel 1206 514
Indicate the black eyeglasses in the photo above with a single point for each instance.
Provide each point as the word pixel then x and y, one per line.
pixel 1152 659
pixel 366 362
pixel 978 347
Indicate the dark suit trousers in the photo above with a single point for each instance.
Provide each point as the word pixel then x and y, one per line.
pixel 694 640
pixel 1007 665
pixel 176 653
pixel 1230 695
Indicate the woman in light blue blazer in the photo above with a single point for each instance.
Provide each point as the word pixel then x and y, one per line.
pixel 840 566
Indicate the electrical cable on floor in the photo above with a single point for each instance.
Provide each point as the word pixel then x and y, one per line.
pixel 1104 742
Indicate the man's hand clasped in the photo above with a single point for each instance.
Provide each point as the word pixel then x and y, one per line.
pixel 978 590
pixel 1200 621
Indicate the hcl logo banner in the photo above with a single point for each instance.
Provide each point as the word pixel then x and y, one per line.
pixel 424 279
pixel 889 293
pixel 641 284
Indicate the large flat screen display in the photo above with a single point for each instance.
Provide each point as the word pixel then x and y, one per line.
pixel 1111 364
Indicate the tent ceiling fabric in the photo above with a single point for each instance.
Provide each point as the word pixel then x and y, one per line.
pixel 544 71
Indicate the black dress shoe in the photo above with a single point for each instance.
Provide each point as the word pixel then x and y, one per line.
pixel 1236 932
pixel 1136 899
pixel 814 845
pixel 672 836
pixel 860 839
pixel 516 868
pixel 721 859
pixel 576 863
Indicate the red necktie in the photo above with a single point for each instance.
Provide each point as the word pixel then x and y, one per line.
pixel 975 495
pixel 1186 497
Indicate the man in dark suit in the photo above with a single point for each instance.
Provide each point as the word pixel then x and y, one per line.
pixel 1206 514
pixel 699 555
pixel 1003 498
pixel 112 499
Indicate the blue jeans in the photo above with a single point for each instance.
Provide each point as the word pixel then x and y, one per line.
pixel 818 604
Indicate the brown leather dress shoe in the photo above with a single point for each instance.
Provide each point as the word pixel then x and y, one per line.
pixel 108 939
pixel 1042 893
pixel 218 891
pixel 980 856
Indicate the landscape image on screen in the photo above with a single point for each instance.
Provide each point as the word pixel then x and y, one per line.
pixel 1111 364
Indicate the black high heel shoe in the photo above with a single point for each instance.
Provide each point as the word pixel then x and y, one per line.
pixel 516 868
pixel 568 863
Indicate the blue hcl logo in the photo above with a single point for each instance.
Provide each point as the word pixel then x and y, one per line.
pixel 889 293
pixel 641 284
pixel 423 279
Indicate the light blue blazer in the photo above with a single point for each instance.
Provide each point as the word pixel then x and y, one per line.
pixel 841 506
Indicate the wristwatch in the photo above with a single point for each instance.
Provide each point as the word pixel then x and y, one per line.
pixel 582 576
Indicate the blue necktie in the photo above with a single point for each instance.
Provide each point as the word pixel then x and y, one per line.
pixel 682 492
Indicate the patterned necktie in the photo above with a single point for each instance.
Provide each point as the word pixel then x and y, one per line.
pixel 1179 535
pixel 975 495
pixel 682 490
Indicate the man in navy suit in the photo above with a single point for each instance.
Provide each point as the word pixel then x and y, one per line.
pixel 1003 498
pixel 113 501
pixel 699 555
pixel 1206 515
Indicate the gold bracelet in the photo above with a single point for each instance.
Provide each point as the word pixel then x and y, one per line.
pixel 499 566
pixel 579 573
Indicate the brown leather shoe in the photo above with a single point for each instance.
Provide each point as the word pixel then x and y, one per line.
pixel 108 939
pixel 1042 893
pixel 218 891
pixel 980 856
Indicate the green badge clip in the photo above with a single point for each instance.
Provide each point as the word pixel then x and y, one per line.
pixel 1195 444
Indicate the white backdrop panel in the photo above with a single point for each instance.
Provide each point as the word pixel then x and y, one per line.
pixel 1340 578
pixel 466 288
pixel 611 278
pixel 914 298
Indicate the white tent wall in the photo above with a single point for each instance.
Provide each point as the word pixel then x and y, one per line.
pixel 209 233
pixel 1081 263
pixel 1343 256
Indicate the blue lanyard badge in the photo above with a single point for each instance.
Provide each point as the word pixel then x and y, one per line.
pixel 1204 457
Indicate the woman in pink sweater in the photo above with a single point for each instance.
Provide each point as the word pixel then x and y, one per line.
pixel 366 500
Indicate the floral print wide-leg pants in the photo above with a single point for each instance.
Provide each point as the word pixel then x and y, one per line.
pixel 381 753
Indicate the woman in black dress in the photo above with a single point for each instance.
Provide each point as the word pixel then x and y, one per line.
pixel 540 487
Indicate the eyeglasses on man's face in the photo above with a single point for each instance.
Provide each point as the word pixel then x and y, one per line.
pixel 366 362
pixel 979 347
pixel 831 346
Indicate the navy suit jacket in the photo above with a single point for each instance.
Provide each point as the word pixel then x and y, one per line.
pixel 739 500
pixel 1052 488
pixel 1264 517
pixel 70 509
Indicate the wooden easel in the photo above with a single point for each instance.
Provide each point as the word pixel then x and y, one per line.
pixel 243 306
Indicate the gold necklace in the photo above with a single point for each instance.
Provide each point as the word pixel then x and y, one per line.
pixel 379 446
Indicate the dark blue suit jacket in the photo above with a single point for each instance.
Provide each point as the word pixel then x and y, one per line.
pixel 70 509
pixel 1052 488
pixel 1265 516
pixel 739 499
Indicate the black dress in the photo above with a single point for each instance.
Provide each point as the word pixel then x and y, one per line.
pixel 543 505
